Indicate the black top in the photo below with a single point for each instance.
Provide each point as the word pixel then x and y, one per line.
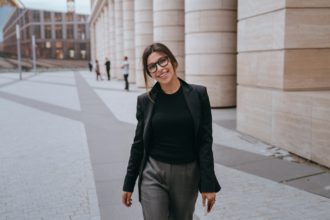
pixel 107 64
pixel 172 125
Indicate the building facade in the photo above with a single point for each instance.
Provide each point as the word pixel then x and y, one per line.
pixel 58 35
pixel 268 58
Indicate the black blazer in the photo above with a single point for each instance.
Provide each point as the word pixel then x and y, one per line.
pixel 199 105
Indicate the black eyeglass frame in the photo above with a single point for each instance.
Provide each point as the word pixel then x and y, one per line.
pixel 157 63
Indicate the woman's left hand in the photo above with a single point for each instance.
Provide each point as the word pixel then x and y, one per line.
pixel 210 197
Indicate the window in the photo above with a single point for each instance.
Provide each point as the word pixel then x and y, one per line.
pixel 71 53
pixel 69 31
pixel 58 16
pixel 58 31
pixel 81 31
pixel 37 31
pixel 69 16
pixel 36 16
pixel 47 16
pixel 48 31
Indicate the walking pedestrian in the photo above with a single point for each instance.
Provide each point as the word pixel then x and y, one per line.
pixel 107 67
pixel 172 149
pixel 90 66
pixel 125 68
pixel 97 70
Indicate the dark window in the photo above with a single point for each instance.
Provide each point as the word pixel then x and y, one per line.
pixel 58 16
pixel 69 31
pixel 58 31
pixel 48 31
pixel 47 16
pixel 37 32
pixel 69 16
pixel 36 16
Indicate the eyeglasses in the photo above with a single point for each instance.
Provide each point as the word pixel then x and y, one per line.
pixel 163 61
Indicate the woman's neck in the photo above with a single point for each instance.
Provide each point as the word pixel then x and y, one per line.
pixel 171 87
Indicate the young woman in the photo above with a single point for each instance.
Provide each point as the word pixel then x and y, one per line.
pixel 172 148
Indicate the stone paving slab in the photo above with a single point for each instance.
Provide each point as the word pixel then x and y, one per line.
pixel 318 184
pixel 45 171
pixel 249 197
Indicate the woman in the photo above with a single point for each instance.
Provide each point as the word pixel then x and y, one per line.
pixel 97 70
pixel 172 148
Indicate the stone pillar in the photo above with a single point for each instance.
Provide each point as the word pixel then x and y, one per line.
pixel 210 45
pixel 143 35
pixel 93 42
pixel 283 75
pixel 112 39
pixel 119 37
pixel 128 28
pixel 169 28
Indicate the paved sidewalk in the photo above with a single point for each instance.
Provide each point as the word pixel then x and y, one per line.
pixel 65 141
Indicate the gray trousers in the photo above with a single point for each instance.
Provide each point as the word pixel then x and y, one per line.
pixel 169 192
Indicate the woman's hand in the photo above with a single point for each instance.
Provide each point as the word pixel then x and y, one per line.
pixel 127 198
pixel 210 196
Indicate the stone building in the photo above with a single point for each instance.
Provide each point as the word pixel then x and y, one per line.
pixel 271 59
pixel 59 35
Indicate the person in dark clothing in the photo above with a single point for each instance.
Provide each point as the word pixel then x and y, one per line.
pixel 107 67
pixel 172 149
pixel 90 66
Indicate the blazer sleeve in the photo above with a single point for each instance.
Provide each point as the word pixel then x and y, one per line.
pixel 208 181
pixel 137 150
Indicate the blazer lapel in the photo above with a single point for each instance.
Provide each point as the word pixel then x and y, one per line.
pixel 193 103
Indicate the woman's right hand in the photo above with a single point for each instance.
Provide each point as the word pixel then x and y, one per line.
pixel 127 198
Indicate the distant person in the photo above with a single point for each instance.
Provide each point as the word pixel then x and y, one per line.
pixel 107 67
pixel 97 70
pixel 90 66
pixel 125 68
pixel 172 148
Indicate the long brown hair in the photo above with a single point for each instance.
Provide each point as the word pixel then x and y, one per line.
pixel 156 47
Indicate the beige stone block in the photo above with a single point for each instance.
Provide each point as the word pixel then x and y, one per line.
pixel 221 89
pixel 143 40
pixel 262 69
pixel 264 32
pixel 143 28
pixel 143 16
pixel 308 3
pixel 254 115
pixel 170 33
pixel 168 18
pixel 321 141
pixel 206 21
pixel 307 28
pixel 249 8
pixel 177 47
pixel 213 42
pixel 321 105
pixel 307 69
pixel 292 132
pixel 211 64
pixel 164 5
pixel 141 5
pixel 196 5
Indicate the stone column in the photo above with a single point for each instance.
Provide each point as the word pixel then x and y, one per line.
pixel 143 35
pixel 169 28
pixel 119 37
pixel 93 42
pixel 283 75
pixel 210 45
pixel 112 39
pixel 128 28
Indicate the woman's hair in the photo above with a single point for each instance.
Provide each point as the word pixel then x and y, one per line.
pixel 156 47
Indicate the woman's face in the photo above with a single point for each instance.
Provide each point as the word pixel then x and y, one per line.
pixel 161 68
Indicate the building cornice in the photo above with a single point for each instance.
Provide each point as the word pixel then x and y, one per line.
pixel 96 9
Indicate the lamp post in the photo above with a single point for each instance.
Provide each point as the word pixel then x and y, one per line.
pixel 19 61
